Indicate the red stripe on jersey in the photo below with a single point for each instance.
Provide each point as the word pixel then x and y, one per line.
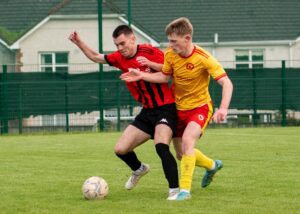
pixel 201 53
pixel 138 95
pixel 222 75
pixel 146 50
pixel 149 94
pixel 152 95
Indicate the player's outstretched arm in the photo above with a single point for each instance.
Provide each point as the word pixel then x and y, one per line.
pixel 134 75
pixel 227 89
pixel 89 52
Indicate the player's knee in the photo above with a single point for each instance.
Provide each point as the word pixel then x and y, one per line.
pixel 190 137
pixel 186 139
pixel 163 134
pixel 162 139
pixel 187 146
pixel 119 150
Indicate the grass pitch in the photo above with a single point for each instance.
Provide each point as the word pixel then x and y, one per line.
pixel 44 174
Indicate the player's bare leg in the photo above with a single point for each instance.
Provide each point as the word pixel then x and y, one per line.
pixel 178 147
pixel 130 139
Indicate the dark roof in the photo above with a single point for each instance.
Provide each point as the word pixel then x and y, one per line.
pixel 233 20
pixel 19 15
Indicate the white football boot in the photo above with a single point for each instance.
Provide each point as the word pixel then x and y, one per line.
pixel 173 194
pixel 136 176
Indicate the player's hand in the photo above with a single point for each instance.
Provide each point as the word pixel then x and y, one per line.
pixel 143 61
pixel 132 75
pixel 74 37
pixel 220 115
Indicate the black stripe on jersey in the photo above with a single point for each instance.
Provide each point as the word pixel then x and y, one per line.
pixel 106 59
pixel 141 95
pixel 160 93
pixel 151 93
pixel 139 99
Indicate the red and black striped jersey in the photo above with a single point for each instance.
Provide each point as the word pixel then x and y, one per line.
pixel 150 95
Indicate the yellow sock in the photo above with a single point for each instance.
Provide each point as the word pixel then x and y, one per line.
pixel 187 167
pixel 203 161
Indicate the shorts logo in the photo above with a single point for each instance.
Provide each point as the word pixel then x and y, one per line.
pixel 189 66
pixel 163 120
pixel 200 116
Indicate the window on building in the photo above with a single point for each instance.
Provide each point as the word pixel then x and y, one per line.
pixel 54 62
pixel 249 58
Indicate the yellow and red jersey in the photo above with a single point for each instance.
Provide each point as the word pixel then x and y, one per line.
pixel 191 76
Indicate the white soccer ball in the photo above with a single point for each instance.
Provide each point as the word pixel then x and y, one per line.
pixel 94 188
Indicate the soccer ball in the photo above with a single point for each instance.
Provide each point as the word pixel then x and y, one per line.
pixel 94 188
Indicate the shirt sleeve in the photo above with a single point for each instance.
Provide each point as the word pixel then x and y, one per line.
pixel 214 68
pixel 159 56
pixel 167 67
pixel 112 58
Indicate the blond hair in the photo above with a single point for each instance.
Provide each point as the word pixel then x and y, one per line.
pixel 181 26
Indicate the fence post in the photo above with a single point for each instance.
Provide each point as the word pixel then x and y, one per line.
pixel 255 115
pixel 129 12
pixel 67 102
pixel 118 106
pixel 4 121
pixel 100 43
pixel 20 109
pixel 101 109
pixel 283 93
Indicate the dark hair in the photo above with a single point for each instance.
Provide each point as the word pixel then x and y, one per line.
pixel 122 29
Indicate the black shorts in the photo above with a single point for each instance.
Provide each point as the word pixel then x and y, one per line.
pixel 148 119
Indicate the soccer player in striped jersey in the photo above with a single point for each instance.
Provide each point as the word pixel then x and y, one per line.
pixel 191 67
pixel 157 119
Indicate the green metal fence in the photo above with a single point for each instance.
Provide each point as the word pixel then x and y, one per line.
pixel 60 101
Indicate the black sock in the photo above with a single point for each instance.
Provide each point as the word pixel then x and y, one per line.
pixel 131 160
pixel 169 164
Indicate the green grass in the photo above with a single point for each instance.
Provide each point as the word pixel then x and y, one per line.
pixel 44 174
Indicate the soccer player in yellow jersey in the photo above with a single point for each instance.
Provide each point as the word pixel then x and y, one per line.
pixel 191 67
